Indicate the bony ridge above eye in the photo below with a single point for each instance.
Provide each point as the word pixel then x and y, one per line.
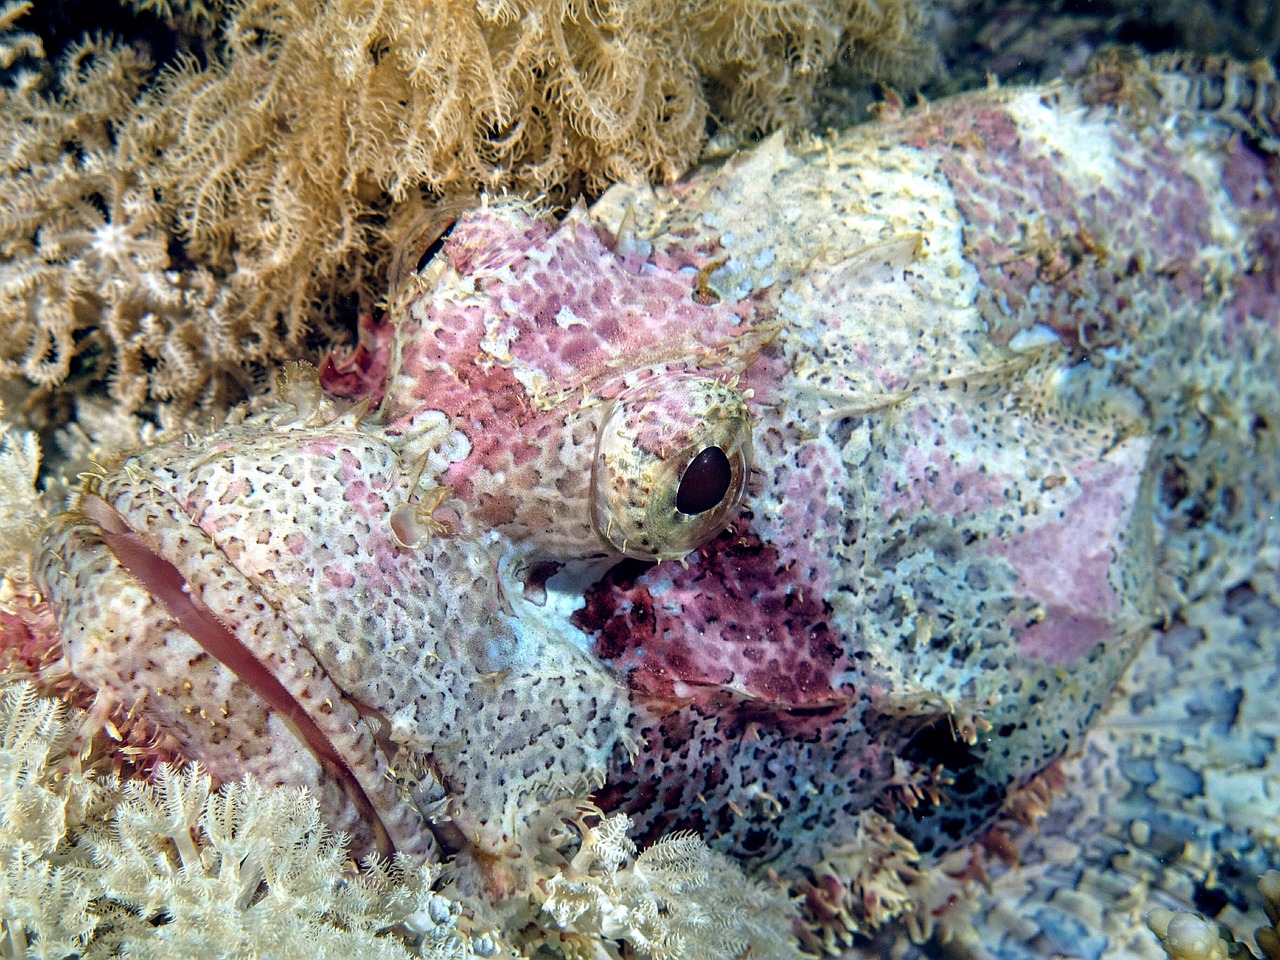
pixel 671 465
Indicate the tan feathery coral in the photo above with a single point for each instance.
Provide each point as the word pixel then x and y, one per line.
pixel 174 236
pixel 311 150
pixel 93 868
pixel 86 278
pixel 21 507
pixel 16 44
pixel 171 867
pixel 768 59
pixel 676 900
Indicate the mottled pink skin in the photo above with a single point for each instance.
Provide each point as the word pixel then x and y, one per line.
pixel 1066 562
pixel 381 567
pixel 1063 558
pixel 1082 260
pixel 1253 181
pixel 927 478
pixel 739 617
pixel 585 308
pixel 807 501
pixel 573 313
pixel 662 433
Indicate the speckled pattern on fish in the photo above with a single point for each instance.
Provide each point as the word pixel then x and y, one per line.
pixel 944 365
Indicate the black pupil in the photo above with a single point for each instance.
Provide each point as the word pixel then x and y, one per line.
pixel 705 482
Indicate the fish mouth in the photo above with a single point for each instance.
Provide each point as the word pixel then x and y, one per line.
pixel 292 687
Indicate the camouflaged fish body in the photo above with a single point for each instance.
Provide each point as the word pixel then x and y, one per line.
pixel 827 483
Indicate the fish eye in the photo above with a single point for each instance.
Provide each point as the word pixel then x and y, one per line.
pixel 705 482
pixel 672 459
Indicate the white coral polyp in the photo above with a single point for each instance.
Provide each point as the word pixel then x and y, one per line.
pixel 678 898
pixel 111 242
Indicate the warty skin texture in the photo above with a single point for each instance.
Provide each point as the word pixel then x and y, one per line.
pixel 947 408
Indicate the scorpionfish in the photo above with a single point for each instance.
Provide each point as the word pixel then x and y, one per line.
pixel 829 484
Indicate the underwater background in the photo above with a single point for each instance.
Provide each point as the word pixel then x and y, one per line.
pixel 194 195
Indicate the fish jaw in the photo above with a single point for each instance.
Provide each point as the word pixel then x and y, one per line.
pixel 169 613
pixel 254 594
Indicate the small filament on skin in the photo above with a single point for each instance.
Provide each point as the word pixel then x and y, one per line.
pixel 414 522
pixel 137 704
pixel 702 292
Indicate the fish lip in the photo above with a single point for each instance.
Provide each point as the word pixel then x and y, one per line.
pixel 167 584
